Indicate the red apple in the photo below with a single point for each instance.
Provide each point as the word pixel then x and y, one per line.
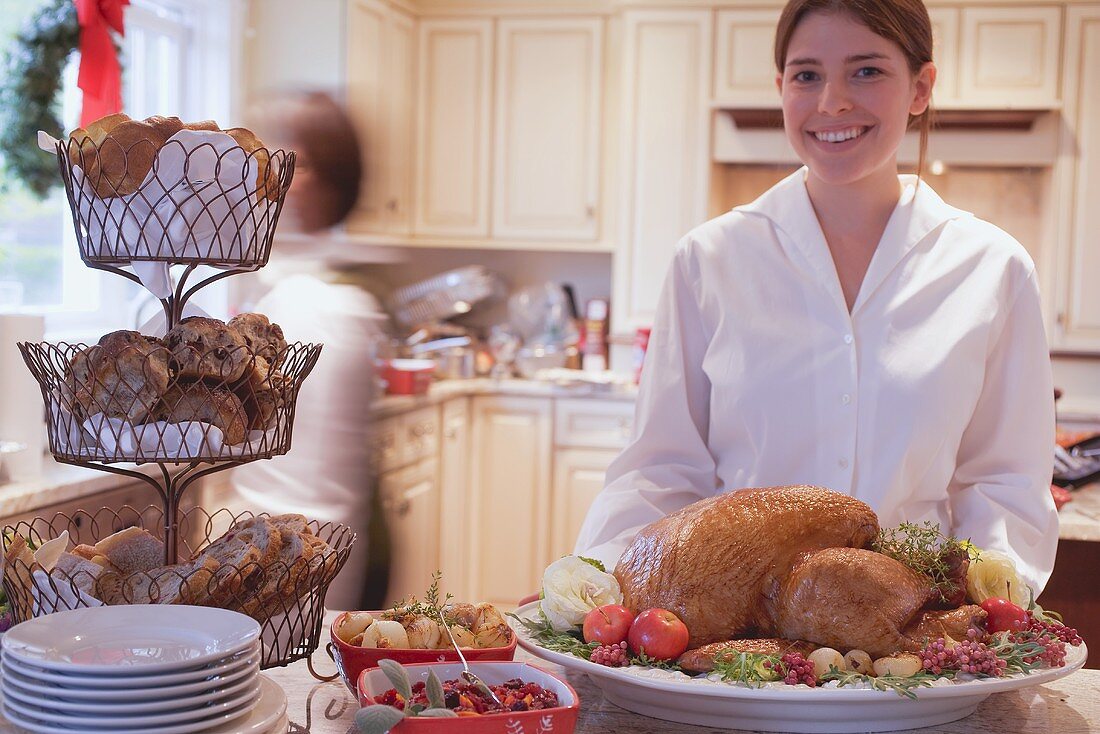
pixel 1003 615
pixel 607 625
pixel 659 634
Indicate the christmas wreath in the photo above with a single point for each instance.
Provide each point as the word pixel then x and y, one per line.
pixel 28 93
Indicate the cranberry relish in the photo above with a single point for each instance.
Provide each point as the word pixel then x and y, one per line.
pixel 465 698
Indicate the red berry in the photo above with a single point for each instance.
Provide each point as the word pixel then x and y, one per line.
pixel 797 669
pixel 613 656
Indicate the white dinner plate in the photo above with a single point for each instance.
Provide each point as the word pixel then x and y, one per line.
pixel 85 681
pixel 264 717
pixel 247 668
pixel 119 721
pixel 777 707
pixel 135 705
pixel 136 639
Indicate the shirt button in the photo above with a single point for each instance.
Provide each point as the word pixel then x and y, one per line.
pixel 846 399
pixel 848 339
pixel 843 463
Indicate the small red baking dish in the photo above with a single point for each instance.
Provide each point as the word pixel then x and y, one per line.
pixel 351 660
pixel 561 719
pixel 407 376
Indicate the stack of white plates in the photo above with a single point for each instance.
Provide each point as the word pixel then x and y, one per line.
pixel 138 669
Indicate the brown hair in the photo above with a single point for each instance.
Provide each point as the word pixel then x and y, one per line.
pixel 905 22
pixel 319 129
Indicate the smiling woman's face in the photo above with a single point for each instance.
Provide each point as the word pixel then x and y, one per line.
pixel 847 96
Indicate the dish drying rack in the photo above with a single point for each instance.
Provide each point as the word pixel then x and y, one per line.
pixel 175 219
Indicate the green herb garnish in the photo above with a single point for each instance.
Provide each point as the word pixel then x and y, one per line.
pixel 901 685
pixel 747 667
pixel 430 607
pixel 571 642
pixel 926 550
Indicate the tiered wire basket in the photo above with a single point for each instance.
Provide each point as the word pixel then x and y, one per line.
pixel 204 398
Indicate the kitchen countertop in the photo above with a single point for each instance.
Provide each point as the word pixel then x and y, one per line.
pixel 1067 706
pixel 62 483
pixel 445 389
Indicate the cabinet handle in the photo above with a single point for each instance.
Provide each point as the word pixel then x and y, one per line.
pixel 424 429
pixel 451 434
pixel 591 211
pixel 392 205
pixel 403 508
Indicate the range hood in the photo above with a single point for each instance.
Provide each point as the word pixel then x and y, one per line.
pixel 960 136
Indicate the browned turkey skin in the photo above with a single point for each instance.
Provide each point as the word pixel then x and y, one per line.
pixel 791 563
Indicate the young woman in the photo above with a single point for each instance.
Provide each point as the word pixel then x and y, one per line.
pixel 848 328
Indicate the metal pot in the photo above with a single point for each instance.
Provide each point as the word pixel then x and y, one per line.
pixel 455 363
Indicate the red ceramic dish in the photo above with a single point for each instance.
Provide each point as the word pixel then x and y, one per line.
pixel 352 660
pixel 560 720
pixel 408 376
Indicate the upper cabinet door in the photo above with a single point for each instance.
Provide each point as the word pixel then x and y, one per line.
pixel 381 66
pixel 452 192
pixel 945 55
pixel 666 151
pixel 1010 56
pixel 1078 321
pixel 367 21
pixel 744 65
pixel 546 173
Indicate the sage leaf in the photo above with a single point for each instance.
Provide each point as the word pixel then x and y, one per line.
pixel 435 691
pixel 399 679
pixel 439 713
pixel 377 719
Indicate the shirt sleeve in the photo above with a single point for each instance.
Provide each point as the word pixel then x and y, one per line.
pixel 667 465
pixel 1000 493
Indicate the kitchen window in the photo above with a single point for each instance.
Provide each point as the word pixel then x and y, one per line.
pixel 176 57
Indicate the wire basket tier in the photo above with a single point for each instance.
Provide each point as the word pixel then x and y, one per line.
pixel 200 198
pixel 285 594
pixel 134 399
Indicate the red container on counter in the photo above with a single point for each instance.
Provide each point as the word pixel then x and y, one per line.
pixel 561 719
pixel 407 376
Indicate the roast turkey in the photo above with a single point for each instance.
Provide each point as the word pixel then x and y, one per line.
pixel 792 563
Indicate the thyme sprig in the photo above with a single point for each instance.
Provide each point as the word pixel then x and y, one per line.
pixel 430 607
pixel 926 550
pixel 1016 650
pixel 898 684
pixel 571 642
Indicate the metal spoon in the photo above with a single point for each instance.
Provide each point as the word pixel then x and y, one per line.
pixel 467 675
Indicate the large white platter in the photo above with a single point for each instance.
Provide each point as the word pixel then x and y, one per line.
pixel 777 707
pixel 130 639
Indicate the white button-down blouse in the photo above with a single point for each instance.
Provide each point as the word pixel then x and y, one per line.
pixel 931 400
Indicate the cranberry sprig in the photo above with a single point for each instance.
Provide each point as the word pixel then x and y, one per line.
pixel 794 669
pixel 613 656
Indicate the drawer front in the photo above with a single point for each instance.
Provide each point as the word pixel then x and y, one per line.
pixel 605 424
pixel 420 431
pixel 387 447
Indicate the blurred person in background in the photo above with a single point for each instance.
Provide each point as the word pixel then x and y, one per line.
pixel 327 474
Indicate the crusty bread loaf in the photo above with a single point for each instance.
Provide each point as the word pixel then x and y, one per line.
pixel 181 583
pixel 243 553
pixel 81 572
pixel 131 550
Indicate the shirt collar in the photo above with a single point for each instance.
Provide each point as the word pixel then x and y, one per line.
pixel 919 212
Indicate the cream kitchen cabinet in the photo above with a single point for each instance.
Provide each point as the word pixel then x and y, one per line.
pixel 744 72
pixel 411 501
pixel 454 479
pixel 666 149
pixel 508 519
pixel 381 66
pixel 588 435
pixel 454 105
pixel 945 54
pixel 1078 322
pixel 547 142
pixel 1009 56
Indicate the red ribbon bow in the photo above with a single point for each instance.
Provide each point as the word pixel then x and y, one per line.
pixel 100 74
